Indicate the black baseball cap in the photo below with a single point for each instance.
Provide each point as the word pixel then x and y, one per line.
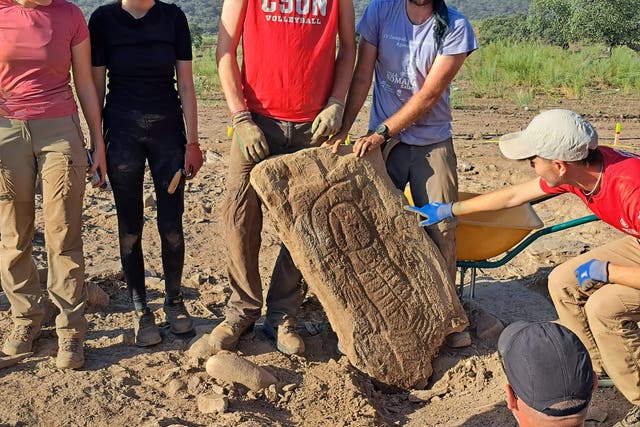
pixel 547 364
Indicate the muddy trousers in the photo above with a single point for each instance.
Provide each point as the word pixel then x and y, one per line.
pixel 605 319
pixel 53 149
pixel 432 176
pixel 243 221
pixel 132 139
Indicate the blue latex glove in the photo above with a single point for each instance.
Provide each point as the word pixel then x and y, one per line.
pixel 592 273
pixel 434 212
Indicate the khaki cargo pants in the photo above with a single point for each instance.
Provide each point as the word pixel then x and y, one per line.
pixel 431 172
pixel 605 319
pixel 243 225
pixel 54 149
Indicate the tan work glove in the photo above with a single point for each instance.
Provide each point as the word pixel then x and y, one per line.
pixel 250 138
pixel 328 121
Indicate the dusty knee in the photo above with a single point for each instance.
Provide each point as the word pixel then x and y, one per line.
pixel 174 239
pixel 128 241
pixel 603 305
pixel 559 279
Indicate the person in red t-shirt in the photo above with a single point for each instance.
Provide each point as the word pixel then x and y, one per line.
pixel 288 96
pixel 40 134
pixel 596 294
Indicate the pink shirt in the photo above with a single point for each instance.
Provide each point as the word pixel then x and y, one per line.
pixel 35 59
pixel 618 201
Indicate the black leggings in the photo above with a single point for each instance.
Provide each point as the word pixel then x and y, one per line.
pixel 133 138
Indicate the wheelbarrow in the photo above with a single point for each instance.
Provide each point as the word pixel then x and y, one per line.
pixel 482 236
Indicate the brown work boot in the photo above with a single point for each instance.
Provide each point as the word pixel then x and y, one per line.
pixel 178 317
pixel 285 336
pixel 20 340
pixel 226 335
pixel 70 352
pixel 145 331
pixel 459 339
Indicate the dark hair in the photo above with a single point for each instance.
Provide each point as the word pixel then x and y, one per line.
pixel 594 156
pixel 441 26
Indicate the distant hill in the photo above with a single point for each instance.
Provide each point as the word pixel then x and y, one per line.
pixel 205 14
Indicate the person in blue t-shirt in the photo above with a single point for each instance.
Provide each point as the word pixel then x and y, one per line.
pixel 414 48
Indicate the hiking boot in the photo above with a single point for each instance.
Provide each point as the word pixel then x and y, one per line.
pixel 285 336
pixel 226 335
pixel 178 317
pixel 145 331
pixel 20 340
pixel 70 352
pixel 632 419
pixel 459 339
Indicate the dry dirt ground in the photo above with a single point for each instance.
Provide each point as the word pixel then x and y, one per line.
pixel 121 384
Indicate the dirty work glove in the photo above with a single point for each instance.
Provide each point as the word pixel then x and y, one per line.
pixel 434 212
pixel 592 273
pixel 249 136
pixel 328 121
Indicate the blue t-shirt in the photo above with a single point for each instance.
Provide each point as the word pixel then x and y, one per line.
pixel 406 52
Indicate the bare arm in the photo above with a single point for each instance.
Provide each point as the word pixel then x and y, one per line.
pixel 508 197
pixel 440 75
pixel 91 109
pixel 231 20
pixel 99 79
pixel 346 51
pixel 187 92
pixel 358 91
pixel 624 275
pixel 193 156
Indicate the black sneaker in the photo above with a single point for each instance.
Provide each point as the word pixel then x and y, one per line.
pixel 178 317
pixel 145 330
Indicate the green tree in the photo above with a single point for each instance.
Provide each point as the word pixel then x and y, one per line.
pixel 196 35
pixel 612 22
pixel 505 27
pixel 549 20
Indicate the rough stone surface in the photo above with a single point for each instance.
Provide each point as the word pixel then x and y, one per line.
pixel 230 368
pixel 199 348
pixel 212 403
pixel 377 274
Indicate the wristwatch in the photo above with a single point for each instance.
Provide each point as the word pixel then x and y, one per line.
pixel 383 130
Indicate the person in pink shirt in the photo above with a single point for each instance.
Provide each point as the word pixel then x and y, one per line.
pixel 41 41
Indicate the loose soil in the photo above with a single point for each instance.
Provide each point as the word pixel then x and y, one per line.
pixel 121 384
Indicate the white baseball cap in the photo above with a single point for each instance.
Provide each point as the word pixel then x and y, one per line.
pixel 553 135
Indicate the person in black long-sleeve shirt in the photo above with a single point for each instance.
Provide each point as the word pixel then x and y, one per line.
pixel 142 43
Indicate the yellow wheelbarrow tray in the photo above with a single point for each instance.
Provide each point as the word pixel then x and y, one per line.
pixel 480 237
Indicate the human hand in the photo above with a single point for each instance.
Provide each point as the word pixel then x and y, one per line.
pixel 367 143
pixel 434 212
pixel 250 138
pixel 328 121
pixel 592 273
pixel 192 159
pixel 336 141
pixel 98 163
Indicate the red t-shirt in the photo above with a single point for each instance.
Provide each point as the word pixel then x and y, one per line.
pixel 618 201
pixel 289 53
pixel 35 59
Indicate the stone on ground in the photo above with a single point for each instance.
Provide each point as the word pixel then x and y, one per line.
pixel 230 368
pixel 379 277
